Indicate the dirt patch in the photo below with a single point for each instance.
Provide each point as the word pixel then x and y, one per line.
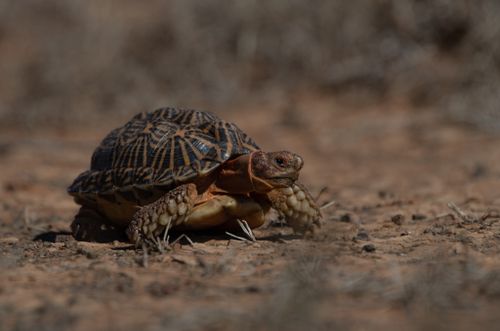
pixel 392 253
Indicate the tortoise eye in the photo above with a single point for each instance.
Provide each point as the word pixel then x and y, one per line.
pixel 281 162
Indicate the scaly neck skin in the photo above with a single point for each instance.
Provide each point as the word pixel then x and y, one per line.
pixel 236 176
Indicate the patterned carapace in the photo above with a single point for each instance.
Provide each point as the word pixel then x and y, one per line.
pixel 163 148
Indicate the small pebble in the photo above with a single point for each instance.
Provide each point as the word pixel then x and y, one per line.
pixel 253 289
pixel 368 248
pixel 362 235
pixel 347 218
pixel 87 253
pixel 418 217
pixel 398 219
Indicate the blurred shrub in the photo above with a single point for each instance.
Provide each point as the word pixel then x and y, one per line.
pixel 66 60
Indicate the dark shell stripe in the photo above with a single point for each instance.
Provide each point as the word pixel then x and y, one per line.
pixel 158 151
pixel 102 157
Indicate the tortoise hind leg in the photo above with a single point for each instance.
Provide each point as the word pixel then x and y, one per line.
pixel 89 225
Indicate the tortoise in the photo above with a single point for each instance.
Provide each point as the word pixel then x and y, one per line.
pixel 188 170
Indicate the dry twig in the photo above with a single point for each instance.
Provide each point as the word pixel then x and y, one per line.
pixel 246 230
pixel 237 237
pixel 183 236
pixel 490 214
pixel 321 192
pixel 328 204
pixel 460 213
pixel 444 215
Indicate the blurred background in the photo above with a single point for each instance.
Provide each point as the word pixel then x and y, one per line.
pixel 82 60
pixel 393 104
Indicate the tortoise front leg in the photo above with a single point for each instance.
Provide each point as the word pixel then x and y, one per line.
pixel 149 222
pixel 297 206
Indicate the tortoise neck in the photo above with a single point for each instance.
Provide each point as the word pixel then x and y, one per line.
pixel 236 176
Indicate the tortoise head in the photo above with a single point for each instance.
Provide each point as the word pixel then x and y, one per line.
pixel 270 170
pixel 260 172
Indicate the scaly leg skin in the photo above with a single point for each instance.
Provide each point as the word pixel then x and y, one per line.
pixel 149 222
pixel 298 208
pixel 89 225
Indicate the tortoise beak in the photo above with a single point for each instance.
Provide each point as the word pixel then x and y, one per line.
pixel 299 163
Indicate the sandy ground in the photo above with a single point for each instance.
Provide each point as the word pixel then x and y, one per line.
pixel 391 254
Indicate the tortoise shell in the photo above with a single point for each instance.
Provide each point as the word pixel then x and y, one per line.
pixel 155 152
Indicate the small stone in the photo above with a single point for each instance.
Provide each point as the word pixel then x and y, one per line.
pixel 480 170
pixel 369 248
pixel 418 217
pixel 362 235
pixel 253 289
pixel 88 253
pixel 346 218
pixel 300 195
pixel 398 219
